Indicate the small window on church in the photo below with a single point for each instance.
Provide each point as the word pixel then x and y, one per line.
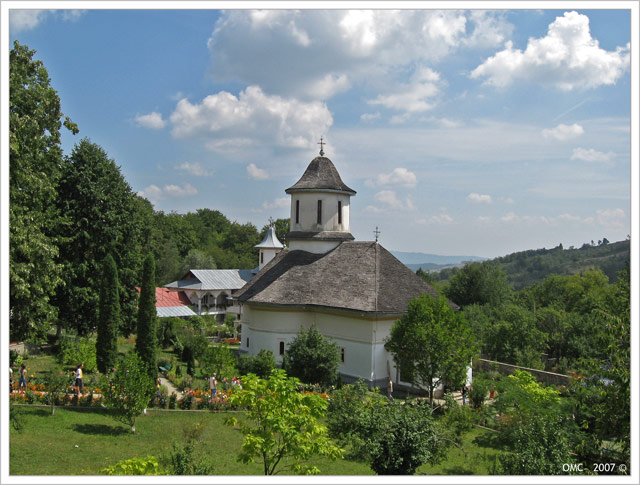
pixel 297 212
pixel 319 212
pixel 261 258
pixel 281 347
pixel 342 354
pixel 247 342
pixel 339 212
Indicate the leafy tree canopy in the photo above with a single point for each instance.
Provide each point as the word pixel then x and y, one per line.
pixel 281 426
pixel 479 283
pixel 431 344
pixel 312 358
pixel 35 158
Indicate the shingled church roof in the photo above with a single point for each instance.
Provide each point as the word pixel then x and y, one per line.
pixel 321 174
pixel 356 276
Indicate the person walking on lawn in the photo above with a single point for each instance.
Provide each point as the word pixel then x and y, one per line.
pixel 22 385
pixel 213 385
pixel 79 382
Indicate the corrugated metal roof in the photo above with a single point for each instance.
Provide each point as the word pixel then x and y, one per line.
pixel 174 311
pixel 213 279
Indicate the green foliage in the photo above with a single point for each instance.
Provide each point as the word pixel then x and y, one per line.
pixel 108 316
pixel 281 423
pixel 312 358
pixel 135 466
pixel 260 365
pixel 431 343
pixel 521 396
pixel 396 439
pixel 601 399
pixel 35 158
pixel 186 458
pixel 78 350
pixel 146 339
pixel 102 215
pixel 348 408
pixel 478 392
pixel 457 419
pixel 56 383
pixel 197 259
pixel 529 267
pixel 128 389
pixel 479 283
pixel 220 360
pixel 539 447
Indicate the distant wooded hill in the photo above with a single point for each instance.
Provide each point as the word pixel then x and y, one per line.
pixel 527 267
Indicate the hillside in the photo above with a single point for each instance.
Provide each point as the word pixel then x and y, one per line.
pixel 527 267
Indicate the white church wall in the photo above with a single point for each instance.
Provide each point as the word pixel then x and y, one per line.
pixel 361 338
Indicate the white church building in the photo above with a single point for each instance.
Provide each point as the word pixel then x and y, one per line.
pixel 352 291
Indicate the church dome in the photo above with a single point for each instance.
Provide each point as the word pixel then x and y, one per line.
pixel 321 174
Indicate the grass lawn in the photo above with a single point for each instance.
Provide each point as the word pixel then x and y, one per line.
pixel 102 441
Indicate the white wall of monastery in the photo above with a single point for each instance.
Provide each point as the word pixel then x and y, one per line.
pixel 361 338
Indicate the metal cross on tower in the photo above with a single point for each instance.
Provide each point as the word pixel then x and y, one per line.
pixel 322 143
pixel 376 233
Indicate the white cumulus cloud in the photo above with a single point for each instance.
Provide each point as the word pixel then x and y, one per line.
pixel 22 20
pixel 155 193
pixel 563 132
pixel 276 203
pixel 591 155
pixel 611 217
pixel 227 122
pixel 479 198
pixel 152 121
pixel 413 97
pixel 398 177
pixel 194 169
pixel 256 173
pixel 566 58
pixel 315 54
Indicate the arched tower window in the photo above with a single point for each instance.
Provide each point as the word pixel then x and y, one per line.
pixel 320 212
pixel 339 212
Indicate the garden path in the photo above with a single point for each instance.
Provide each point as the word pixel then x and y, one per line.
pixel 170 387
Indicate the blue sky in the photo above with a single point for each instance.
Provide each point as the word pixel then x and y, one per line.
pixel 476 132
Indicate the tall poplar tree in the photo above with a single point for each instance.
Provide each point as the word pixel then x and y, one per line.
pixel 103 217
pixel 35 158
pixel 146 340
pixel 108 317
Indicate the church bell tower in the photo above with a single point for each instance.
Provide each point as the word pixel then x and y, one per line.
pixel 320 203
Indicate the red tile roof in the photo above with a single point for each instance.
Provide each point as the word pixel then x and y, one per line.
pixel 165 298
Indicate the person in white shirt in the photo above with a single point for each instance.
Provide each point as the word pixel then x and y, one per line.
pixel 79 383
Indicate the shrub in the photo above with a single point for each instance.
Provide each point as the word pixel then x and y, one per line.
pixel 458 419
pixel 478 392
pixel 173 400
pixel 396 439
pixel 128 389
pixel 76 350
pixel 312 358
pixel 185 458
pixel 134 466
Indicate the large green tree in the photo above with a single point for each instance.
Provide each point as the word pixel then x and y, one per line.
pixel 146 339
pixel 35 159
pixel 108 317
pixel 103 216
pixel 432 344
pixel 312 358
pixel 281 426
pixel 479 283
